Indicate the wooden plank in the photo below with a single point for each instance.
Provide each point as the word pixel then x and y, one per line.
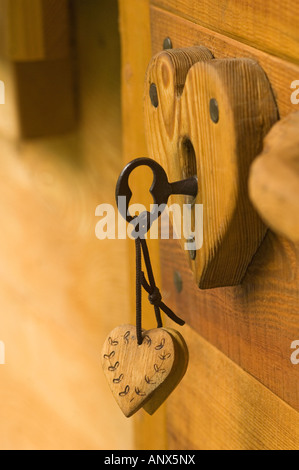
pixel 46 105
pixel 237 411
pixel 255 323
pixel 221 407
pixel 34 30
pixel 183 33
pixel 237 320
pixel 269 25
pixel 149 431
pixel 37 68
pixel 57 28
pixel 40 98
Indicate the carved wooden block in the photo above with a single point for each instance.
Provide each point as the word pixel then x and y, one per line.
pixel 208 118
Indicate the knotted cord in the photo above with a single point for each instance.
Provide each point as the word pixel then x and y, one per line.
pixel 154 295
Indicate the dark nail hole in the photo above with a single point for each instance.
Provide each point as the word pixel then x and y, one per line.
pixel 214 110
pixel 167 44
pixel 178 282
pixel 154 95
pixel 188 165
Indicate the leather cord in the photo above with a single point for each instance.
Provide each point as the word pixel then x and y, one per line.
pixel 154 295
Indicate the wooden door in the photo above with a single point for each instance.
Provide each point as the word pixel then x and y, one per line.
pixel 241 390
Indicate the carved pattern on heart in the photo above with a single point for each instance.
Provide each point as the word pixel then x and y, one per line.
pixel 135 371
pixel 157 368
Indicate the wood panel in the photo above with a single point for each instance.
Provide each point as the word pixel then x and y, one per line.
pixel 269 25
pixel 236 319
pixel 221 407
pixel 35 40
pixel 255 323
pixel 58 283
pixel 237 410
pixel 34 30
pixel 40 98
pixel 184 33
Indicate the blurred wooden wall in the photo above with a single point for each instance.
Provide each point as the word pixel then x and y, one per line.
pixel 61 289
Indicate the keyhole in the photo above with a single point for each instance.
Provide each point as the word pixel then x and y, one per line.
pixel 187 158
pixel 141 195
pixel 188 167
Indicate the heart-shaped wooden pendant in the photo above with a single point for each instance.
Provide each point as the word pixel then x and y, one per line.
pixel 136 373
pixel 174 378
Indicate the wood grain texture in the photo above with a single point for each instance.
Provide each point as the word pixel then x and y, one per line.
pixel 35 30
pixel 268 25
pixel 274 179
pixel 58 283
pixel 237 411
pixel 221 407
pixel 237 320
pixel 184 33
pixel 187 80
pixel 254 324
